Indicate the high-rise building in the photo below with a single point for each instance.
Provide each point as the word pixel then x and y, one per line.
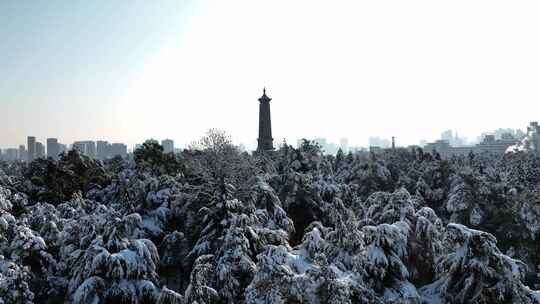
pixel 151 141
pixel 447 135
pixel 265 140
pixel 168 145
pixel 80 146
pixel 11 155
pixel 118 149
pixel 379 142
pixel 86 147
pixel 102 150
pixel 533 133
pixel 91 148
pixel 31 144
pixel 22 155
pixel 53 148
pixel 62 148
pixel 40 150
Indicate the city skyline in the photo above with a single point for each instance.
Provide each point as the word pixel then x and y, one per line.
pixel 331 74
pixel 101 149
pixel 471 138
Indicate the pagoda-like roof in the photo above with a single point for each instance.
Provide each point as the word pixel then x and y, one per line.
pixel 264 97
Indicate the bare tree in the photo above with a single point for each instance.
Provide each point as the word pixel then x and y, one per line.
pixel 220 155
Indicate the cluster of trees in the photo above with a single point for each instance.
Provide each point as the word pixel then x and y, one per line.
pixel 216 225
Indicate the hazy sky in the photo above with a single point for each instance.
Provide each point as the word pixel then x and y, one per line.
pixel 130 70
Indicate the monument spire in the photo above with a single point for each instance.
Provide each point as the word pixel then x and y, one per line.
pixel 265 140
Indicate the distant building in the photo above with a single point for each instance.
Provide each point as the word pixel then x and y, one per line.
pixel 86 147
pixel 40 150
pixel 118 149
pixel 53 148
pixel 151 141
pixel 22 155
pixel 375 149
pixel 453 139
pixel 329 147
pixel 488 144
pixel 11 155
pixel 102 149
pixel 358 149
pixel 168 145
pixel 499 133
pixel 31 144
pixel 105 150
pixel 79 146
pixel 379 142
pixel 62 148
pixel 441 146
pixel 533 134
pixel 447 135
pixel 496 146
pixel 91 148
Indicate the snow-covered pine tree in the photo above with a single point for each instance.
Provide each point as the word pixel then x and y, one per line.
pixel 473 270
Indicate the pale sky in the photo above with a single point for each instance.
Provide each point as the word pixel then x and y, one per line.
pixel 130 70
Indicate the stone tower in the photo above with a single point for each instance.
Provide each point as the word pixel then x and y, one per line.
pixel 265 140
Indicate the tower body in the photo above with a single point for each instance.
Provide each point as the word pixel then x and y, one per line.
pixel 265 140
